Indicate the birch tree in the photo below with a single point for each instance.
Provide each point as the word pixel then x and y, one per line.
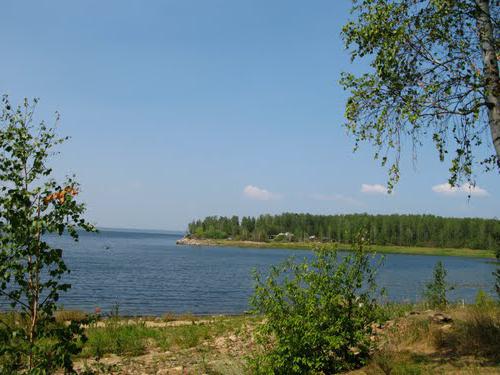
pixel 434 75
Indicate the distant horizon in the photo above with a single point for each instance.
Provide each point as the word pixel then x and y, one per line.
pixel 181 231
pixel 165 231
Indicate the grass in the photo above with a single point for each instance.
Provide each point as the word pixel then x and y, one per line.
pixel 120 339
pixel 68 315
pixel 135 338
pixel 409 343
pixel 387 249
pixel 172 317
pixel 478 334
pixel 416 345
pixel 204 346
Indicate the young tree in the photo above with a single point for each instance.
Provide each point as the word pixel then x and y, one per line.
pixel 434 72
pixel 317 314
pixel 32 204
pixel 436 289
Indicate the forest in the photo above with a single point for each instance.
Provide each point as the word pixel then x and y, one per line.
pixel 398 230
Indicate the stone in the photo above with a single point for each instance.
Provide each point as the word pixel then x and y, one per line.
pixel 441 318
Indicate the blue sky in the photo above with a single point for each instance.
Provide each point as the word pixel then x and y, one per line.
pixel 182 109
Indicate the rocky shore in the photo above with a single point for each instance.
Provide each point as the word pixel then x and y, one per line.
pixel 190 242
pixel 311 245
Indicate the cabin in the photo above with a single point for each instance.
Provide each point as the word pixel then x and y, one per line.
pixel 287 236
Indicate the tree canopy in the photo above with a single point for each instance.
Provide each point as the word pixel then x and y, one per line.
pixel 400 230
pixel 434 75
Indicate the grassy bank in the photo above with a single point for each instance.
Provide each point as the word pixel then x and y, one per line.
pixel 414 250
pixel 208 345
pixel 408 341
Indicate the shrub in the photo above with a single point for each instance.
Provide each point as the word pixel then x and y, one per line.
pixel 435 292
pixel 62 316
pixel 483 300
pixel 215 234
pixel 54 347
pixel 317 314
pixel 118 338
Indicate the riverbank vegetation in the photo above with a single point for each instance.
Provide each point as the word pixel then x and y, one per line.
pixel 324 315
pixel 317 314
pixel 409 339
pixel 309 245
pixel 381 230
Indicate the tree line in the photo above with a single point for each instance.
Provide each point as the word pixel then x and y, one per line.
pixel 399 230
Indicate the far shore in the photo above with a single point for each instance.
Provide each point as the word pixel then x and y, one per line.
pixel 386 249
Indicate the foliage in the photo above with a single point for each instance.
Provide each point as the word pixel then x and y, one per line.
pixel 317 314
pixel 435 292
pixel 56 344
pixel 399 230
pixel 433 75
pixel 117 338
pixel 483 300
pixel 122 337
pixel 32 205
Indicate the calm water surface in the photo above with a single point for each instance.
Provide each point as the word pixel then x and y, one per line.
pixel 147 274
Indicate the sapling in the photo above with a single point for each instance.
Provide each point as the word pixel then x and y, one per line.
pixel 32 205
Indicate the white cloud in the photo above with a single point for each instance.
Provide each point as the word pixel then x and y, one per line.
pixel 465 189
pixel 373 189
pixel 336 198
pixel 257 193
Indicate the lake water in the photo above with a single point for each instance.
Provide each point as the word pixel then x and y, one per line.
pixel 146 273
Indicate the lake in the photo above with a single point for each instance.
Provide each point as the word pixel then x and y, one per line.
pixel 146 273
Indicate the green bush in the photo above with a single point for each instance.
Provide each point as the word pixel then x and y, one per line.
pixel 118 338
pixel 435 290
pixel 215 234
pixel 317 314
pixel 54 348
pixel 483 300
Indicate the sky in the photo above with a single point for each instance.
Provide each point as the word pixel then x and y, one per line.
pixel 182 109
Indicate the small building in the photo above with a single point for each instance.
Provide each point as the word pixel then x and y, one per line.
pixel 287 236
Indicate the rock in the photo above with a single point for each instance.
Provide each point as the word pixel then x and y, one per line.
pixel 188 241
pixel 354 350
pixel 377 329
pixel 441 318
pixel 388 324
pixel 220 342
pixel 233 338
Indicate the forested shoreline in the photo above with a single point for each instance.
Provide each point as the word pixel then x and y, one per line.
pixel 397 230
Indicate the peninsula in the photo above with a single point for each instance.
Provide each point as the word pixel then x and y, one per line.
pixel 398 234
